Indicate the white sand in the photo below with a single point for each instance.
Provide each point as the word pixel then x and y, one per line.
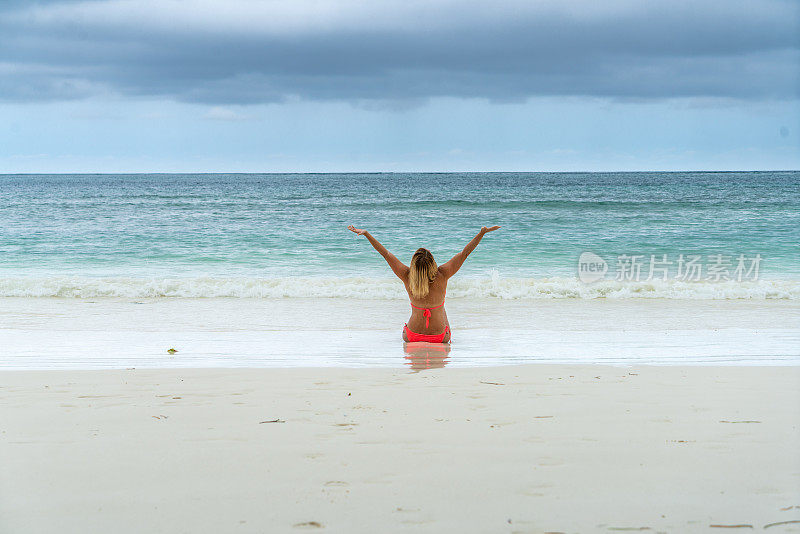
pixel 536 448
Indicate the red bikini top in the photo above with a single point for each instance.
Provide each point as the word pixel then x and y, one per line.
pixel 427 312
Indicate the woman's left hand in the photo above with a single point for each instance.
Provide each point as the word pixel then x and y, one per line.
pixel 358 231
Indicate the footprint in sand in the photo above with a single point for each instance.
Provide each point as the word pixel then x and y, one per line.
pixel 308 524
pixel 531 493
pixel 416 521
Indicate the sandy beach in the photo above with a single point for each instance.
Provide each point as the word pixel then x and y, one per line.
pixel 534 448
pixel 220 221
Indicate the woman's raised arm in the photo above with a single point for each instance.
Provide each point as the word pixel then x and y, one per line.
pixel 398 267
pixel 451 267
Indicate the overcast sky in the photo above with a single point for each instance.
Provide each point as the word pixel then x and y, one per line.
pixel 308 85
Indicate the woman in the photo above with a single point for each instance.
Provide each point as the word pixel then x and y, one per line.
pixel 426 285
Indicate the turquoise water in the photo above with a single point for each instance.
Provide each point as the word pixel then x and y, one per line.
pixel 259 228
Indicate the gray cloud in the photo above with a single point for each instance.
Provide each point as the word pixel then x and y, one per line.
pixel 241 51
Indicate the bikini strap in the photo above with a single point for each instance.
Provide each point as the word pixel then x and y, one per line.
pixel 427 312
pixel 431 308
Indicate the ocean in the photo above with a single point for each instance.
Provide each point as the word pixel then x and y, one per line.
pixel 280 241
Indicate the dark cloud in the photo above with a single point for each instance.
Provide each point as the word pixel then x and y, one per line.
pixel 727 48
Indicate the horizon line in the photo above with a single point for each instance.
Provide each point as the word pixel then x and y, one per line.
pixel 397 172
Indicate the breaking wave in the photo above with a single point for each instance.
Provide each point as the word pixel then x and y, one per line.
pixel 493 286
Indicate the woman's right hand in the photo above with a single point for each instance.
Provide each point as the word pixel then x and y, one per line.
pixel 486 230
pixel 358 231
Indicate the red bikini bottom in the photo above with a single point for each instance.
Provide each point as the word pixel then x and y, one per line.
pixel 429 338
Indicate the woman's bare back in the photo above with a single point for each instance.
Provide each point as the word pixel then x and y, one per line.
pixel 434 300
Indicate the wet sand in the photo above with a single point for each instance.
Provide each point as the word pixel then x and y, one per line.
pixel 116 333
pixel 534 448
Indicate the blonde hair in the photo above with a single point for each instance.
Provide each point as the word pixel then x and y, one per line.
pixel 422 272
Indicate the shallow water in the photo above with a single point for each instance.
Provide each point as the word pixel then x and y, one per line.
pixel 116 333
pixel 253 227
pixel 100 271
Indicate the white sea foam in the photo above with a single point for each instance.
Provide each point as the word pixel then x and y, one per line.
pixel 493 286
